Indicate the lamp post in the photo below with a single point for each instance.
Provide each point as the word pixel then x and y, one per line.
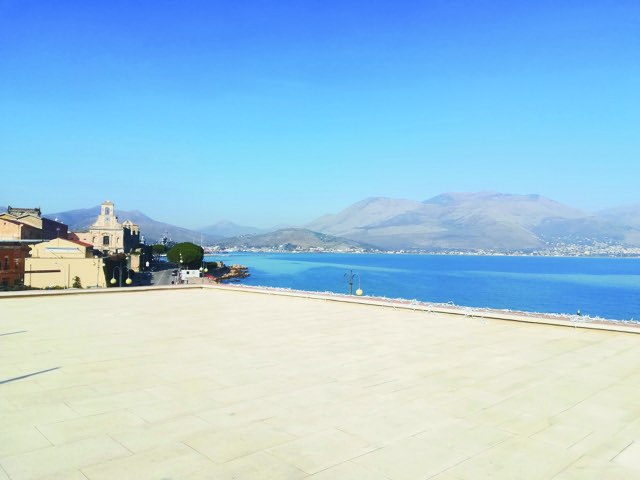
pixel 203 270
pixel 64 274
pixel 119 268
pixel 351 275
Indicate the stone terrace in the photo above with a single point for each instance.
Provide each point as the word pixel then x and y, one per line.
pixel 189 384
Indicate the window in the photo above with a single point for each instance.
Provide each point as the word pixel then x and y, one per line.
pixel 105 240
pixel 107 211
pixel 6 263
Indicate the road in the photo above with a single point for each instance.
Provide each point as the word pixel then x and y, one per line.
pixel 162 276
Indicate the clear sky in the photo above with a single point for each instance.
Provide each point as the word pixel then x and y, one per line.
pixel 276 112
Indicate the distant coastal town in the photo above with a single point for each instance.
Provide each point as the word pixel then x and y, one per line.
pixel 556 250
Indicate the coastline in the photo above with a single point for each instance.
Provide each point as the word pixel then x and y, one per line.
pixel 599 288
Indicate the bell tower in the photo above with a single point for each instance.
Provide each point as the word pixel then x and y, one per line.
pixel 107 209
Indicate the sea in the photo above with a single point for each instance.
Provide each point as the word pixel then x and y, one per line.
pixel 597 287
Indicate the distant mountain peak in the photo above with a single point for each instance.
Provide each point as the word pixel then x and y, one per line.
pixel 225 222
pixel 442 199
pixel 473 220
pixel 228 229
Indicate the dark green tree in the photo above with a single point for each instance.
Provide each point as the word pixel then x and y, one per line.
pixel 76 282
pixel 192 254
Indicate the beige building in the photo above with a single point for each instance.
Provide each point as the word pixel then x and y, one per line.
pixel 20 227
pixel 108 235
pixel 59 261
pixel 47 229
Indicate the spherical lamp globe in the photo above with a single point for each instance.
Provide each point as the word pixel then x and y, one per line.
pixel 359 292
pixel 128 281
pixel 112 281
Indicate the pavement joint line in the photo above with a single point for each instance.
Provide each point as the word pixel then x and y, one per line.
pixel 12 333
pixel 620 452
pixel 2 382
pixel 461 312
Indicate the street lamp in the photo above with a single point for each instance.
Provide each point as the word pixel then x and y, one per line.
pixel 181 268
pixel 203 270
pixel 64 273
pixel 351 275
pixel 113 280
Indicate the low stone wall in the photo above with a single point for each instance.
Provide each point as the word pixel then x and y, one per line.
pixel 478 315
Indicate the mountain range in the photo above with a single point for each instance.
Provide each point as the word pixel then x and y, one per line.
pixel 452 220
pixel 483 220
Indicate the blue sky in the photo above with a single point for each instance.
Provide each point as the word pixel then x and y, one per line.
pixel 265 112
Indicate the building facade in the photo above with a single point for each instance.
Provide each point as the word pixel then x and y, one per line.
pixel 57 262
pixel 18 228
pixel 110 236
pixel 33 216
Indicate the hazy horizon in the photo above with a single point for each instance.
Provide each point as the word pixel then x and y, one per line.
pixel 267 114
pixel 199 227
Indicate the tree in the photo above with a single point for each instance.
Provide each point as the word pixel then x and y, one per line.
pixel 76 282
pixel 190 253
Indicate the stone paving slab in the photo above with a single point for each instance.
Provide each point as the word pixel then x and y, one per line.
pixel 222 383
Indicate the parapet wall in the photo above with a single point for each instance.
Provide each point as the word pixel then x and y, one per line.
pixel 480 315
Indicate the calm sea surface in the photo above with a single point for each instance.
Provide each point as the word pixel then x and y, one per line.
pixel 604 287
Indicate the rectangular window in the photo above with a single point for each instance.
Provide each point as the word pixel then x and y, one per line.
pixel 6 263
pixel 105 240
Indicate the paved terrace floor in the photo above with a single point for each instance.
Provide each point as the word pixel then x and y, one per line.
pixel 218 384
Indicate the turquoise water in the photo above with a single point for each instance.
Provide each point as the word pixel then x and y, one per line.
pixel 604 287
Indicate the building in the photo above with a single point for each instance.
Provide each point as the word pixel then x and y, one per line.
pixel 13 250
pixel 33 216
pixel 80 236
pixel 58 261
pixel 110 236
pixel 18 228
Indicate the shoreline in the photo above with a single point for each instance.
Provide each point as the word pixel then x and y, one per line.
pixel 576 277
pixel 434 254
pixel 450 307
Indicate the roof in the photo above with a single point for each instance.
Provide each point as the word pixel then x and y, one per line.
pixel 282 387
pixel 84 244
pixel 12 221
pixel 22 211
